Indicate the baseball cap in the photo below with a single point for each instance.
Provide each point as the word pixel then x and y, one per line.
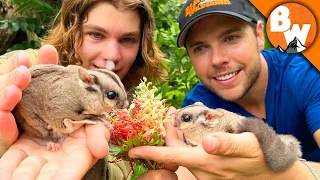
pixel 194 10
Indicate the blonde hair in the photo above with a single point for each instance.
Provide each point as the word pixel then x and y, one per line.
pixel 66 37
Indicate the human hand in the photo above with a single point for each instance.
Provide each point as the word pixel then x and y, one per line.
pixel 221 156
pixel 168 172
pixel 14 77
pixel 79 152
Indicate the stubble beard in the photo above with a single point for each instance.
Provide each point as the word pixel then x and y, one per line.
pixel 253 75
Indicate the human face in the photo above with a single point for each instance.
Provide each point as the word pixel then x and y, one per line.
pixel 225 53
pixel 110 34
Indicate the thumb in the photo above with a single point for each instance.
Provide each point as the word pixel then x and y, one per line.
pixel 48 55
pixel 226 144
pixel 8 130
pixel 97 140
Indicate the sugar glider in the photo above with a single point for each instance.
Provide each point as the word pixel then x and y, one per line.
pixel 197 120
pixel 59 100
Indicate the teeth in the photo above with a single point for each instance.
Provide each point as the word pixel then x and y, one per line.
pixel 226 77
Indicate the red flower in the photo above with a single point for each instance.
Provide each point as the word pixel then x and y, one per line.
pixel 141 124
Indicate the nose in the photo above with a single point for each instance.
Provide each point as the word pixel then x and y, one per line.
pixel 111 51
pixel 125 104
pixel 218 57
pixel 176 122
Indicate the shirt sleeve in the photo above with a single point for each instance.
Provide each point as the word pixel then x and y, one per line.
pixel 311 99
pixel 188 100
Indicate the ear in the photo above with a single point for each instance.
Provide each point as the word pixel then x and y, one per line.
pixel 212 118
pixel 260 35
pixel 85 77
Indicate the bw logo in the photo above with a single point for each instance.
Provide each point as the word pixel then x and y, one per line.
pixel 291 27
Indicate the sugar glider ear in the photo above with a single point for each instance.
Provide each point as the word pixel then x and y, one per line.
pixel 85 77
pixel 212 117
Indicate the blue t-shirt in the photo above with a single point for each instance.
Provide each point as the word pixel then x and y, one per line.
pixel 292 99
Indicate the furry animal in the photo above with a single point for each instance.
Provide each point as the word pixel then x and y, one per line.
pixel 197 120
pixel 59 100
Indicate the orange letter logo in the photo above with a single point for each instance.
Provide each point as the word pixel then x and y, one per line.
pixel 291 27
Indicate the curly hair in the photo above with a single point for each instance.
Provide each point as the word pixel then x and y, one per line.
pixel 66 36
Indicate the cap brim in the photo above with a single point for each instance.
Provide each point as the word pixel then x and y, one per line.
pixel 183 33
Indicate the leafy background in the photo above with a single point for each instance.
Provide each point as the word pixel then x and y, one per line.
pixel 24 22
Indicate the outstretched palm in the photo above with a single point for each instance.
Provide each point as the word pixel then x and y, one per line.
pixel 25 158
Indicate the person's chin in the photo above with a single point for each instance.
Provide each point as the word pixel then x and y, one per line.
pixel 232 94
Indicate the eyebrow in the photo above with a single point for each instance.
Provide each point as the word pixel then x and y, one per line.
pixel 100 29
pixel 195 43
pixel 96 28
pixel 224 33
pixel 229 31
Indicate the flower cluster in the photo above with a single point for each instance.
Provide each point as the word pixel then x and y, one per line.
pixel 141 124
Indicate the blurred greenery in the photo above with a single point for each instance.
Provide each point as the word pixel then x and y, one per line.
pixel 38 14
pixel 182 76
pixel 31 18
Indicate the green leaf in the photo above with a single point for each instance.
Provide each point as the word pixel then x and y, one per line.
pixel 114 150
pixel 23 26
pixel 15 26
pixel 138 169
pixel 4 24
pixel 191 74
pixel 137 142
pixel 31 27
pixel 23 8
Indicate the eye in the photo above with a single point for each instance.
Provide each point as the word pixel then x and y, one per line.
pixel 112 95
pixel 96 35
pixel 127 41
pixel 200 49
pixel 231 38
pixel 186 117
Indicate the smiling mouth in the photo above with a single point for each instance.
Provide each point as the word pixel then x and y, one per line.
pixel 227 76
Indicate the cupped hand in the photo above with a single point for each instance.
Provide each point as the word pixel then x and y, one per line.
pixel 26 159
pixel 221 156
pixel 14 77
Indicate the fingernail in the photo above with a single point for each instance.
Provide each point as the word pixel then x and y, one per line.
pixel 214 143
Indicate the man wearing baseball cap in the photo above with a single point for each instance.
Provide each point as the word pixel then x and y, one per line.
pixel 225 43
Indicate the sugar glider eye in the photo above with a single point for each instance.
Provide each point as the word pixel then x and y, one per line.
pixel 112 95
pixel 186 117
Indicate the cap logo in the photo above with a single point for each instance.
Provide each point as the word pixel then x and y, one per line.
pixel 197 5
